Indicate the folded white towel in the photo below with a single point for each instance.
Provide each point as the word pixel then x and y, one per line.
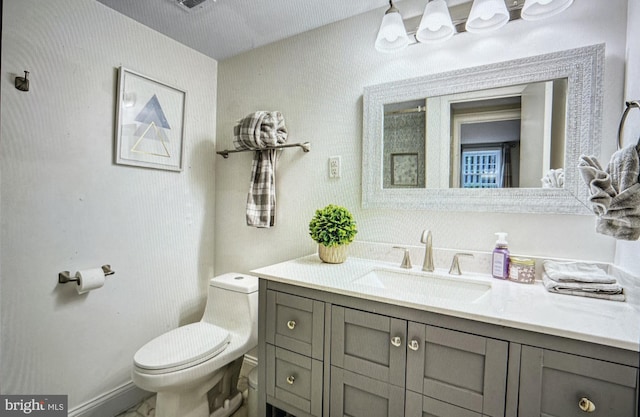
pixel 613 292
pixel 580 272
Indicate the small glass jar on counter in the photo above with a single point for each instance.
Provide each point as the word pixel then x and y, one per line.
pixel 522 270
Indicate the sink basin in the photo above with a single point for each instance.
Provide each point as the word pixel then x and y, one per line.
pixel 430 285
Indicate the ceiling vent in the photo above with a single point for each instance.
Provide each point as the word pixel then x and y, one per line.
pixel 192 5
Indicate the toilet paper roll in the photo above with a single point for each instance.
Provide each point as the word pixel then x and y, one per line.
pixel 89 279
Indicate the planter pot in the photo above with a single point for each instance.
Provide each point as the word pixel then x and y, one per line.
pixel 333 254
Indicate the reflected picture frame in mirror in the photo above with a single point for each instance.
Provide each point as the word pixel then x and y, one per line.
pixel 583 68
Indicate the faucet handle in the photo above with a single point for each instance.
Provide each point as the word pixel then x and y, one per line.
pixel 406 260
pixel 455 264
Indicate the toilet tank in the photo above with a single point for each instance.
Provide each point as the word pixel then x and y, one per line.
pixel 232 301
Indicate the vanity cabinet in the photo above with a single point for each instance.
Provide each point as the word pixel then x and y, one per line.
pixel 332 355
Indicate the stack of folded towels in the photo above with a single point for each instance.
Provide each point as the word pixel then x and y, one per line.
pixel 582 279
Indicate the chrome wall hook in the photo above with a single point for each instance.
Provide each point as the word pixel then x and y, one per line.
pixel 22 83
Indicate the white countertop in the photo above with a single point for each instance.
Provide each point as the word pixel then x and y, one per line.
pixel 521 306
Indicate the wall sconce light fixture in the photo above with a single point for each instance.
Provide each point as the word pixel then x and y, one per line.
pixel 392 35
pixel 439 22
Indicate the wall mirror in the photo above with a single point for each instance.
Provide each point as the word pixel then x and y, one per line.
pixel 489 138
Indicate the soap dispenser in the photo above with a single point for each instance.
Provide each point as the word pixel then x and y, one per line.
pixel 500 258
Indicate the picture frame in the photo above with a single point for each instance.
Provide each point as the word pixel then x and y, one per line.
pixel 150 122
pixel 404 169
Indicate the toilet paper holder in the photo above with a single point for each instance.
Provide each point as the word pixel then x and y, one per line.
pixel 65 276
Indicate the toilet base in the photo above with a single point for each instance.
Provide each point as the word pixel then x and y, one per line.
pixel 189 402
pixel 217 393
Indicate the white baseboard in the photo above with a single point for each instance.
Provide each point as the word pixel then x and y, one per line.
pixel 111 403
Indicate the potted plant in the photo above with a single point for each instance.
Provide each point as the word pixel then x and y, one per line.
pixel 333 228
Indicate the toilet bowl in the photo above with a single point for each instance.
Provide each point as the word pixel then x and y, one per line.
pixel 184 364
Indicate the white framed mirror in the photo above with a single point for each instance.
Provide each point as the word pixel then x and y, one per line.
pixel 421 136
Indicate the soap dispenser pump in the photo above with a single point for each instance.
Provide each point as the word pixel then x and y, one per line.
pixel 500 258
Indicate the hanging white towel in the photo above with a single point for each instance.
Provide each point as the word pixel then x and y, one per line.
pixel 258 131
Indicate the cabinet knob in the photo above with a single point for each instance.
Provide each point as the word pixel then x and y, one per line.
pixel 291 324
pixel 396 341
pixel 414 345
pixel 291 379
pixel 586 405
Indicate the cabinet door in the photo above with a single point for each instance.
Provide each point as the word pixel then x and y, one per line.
pixel 354 395
pixel 458 368
pixel 295 323
pixel 369 344
pixel 418 405
pixel 294 379
pixel 555 384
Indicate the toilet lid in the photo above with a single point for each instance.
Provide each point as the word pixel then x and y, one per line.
pixel 184 345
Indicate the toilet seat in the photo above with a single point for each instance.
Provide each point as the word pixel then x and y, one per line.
pixel 182 348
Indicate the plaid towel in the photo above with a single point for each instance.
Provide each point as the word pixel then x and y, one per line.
pixel 259 131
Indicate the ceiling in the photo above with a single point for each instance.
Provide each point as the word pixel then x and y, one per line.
pixel 224 28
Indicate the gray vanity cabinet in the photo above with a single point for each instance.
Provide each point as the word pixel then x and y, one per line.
pixel 556 384
pixel 332 355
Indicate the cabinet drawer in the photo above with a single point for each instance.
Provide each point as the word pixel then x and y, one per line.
pixel 295 323
pixel 552 384
pixel 462 369
pixel 294 379
pixel 369 344
pixel 422 406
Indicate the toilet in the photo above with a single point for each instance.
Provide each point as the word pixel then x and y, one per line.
pixel 184 364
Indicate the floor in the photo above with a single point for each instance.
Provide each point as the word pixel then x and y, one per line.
pixel 147 408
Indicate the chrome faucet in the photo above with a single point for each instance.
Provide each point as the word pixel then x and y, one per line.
pixel 428 251
pixel 455 264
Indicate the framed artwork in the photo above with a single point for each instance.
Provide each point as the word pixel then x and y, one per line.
pixel 404 169
pixel 150 122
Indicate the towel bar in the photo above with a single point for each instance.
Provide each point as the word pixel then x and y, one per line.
pixel 630 105
pixel 306 147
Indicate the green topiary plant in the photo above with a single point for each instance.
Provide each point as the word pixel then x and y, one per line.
pixel 333 226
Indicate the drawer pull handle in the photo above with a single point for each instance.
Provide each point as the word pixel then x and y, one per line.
pixel 291 379
pixel 586 405
pixel 291 324
pixel 414 345
pixel 396 341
